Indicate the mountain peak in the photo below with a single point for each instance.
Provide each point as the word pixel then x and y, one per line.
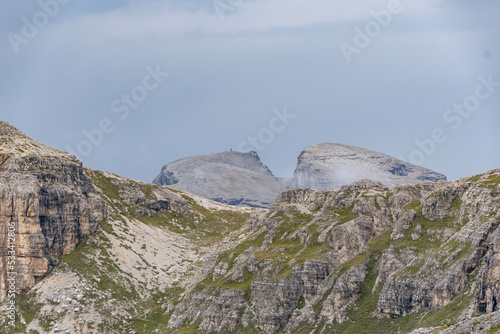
pixel 329 165
pixel 14 141
pixel 228 177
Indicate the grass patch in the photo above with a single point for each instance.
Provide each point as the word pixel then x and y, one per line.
pixel 415 206
pixel 493 330
pixel 426 242
pixel 379 243
pixel 228 283
pixel 343 215
pixel 492 180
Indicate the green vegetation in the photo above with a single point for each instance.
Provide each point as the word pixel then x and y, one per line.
pixel 201 225
pixel 305 328
pixel 475 178
pixel 27 308
pixel 343 215
pixel 493 330
pixel 362 321
pixel 287 250
pixel 284 241
pixel 302 303
pixel 458 248
pixel 228 283
pixel 92 261
pixel 492 180
pixel 428 232
pixel 205 228
pixel 377 206
pixel 256 240
pixel 415 206
pixel 379 243
pixel 456 204
pixel 111 279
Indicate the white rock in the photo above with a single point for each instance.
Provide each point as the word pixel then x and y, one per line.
pixel 326 166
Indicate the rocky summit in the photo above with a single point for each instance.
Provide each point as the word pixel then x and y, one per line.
pixel 232 178
pixel 326 166
pixel 98 253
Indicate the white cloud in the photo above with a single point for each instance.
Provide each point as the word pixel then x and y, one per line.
pixel 136 23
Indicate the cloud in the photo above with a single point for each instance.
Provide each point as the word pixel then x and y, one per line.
pixel 151 19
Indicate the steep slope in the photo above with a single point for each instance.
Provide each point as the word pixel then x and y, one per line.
pixel 326 166
pixel 48 203
pixel 229 177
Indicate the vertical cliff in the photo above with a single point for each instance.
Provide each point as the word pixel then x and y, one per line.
pixel 52 203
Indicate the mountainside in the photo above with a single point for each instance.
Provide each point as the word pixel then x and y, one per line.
pixel 103 254
pixel 45 193
pixel 232 178
pixel 326 166
pixel 364 258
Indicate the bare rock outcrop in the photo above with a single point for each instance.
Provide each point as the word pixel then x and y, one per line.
pixel 346 290
pixel 325 166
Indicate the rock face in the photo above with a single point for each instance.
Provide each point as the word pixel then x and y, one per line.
pixel 357 259
pixel 229 177
pixel 327 166
pixel 45 193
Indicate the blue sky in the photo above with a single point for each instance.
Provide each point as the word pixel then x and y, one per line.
pixel 234 65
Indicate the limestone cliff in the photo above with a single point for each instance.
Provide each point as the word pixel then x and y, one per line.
pixel 51 201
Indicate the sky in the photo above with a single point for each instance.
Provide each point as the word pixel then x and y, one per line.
pixel 128 86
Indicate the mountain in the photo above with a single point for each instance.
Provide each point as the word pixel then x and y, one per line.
pixel 362 258
pixel 98 253
pixel 229 177
pixel 326 166
pixel 51 202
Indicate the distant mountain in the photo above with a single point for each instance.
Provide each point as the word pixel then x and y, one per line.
pixel 232 178
pixel 326 166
